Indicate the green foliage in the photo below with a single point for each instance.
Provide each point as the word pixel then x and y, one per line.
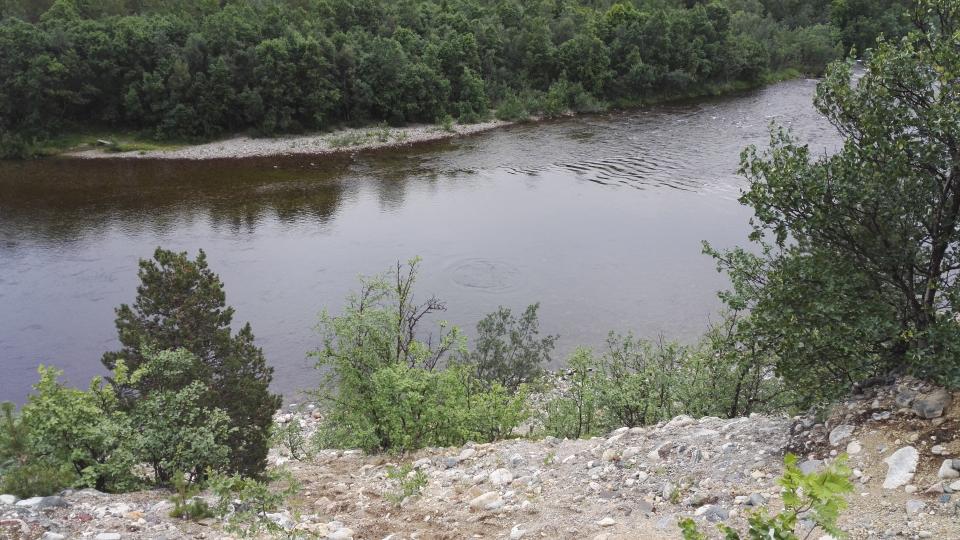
pixel 180 304
pixel 184 70
pixel 383 387
pixel 186 504
pixel 638 382
pixel 176 432
pixel 575 414
pixel 244 502
pixel 854 273
pixel 508 349
pixel 82 430
pixel 290 437
pixel 817 496
pixel 409 481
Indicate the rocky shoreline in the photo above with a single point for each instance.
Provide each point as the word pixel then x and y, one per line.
pixel 634 483
pixel 341 141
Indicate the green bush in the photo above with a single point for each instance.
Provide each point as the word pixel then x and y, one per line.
pixel 82 430
pixel 244 502
pixel 513 109
pixel 176 432
pixel 817 497
pixel 508 349
pixel 384 389
pixel 180 303
pixel 638 382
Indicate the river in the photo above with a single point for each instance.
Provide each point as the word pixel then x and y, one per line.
pixel 598 218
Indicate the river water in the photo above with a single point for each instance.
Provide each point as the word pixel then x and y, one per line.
pixel 598 218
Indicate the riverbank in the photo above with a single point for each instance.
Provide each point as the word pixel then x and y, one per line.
pixel 348 140
pixel 341 141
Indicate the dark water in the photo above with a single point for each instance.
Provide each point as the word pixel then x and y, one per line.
pixel 600 219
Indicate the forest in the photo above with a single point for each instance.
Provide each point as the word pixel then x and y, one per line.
pixel 191 70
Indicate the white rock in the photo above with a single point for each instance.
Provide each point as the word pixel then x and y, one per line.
pixel 52 536
pixel 32 501
pixel 840 434
pixel 900 467
pixel 947 471
pixel 854 448
pixel 610 455
pixel 607 522
pixel 517 532
pixel 488 501
pixel 341 534
pixel 501 477
pixel 8 499
pixel 107 536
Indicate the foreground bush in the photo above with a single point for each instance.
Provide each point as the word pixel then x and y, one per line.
pixel 65 437
pixel 637 382
pixel 853 273
pixel 385 388
pixel 181 304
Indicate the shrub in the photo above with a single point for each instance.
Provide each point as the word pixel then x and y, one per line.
pixel 817 496
pixel 181 304
pixel 638 382
pixel 384 390
pixel 513 109
pixel 176 432
pixel 83 431
pixel 507 349
pixel 244 502
pixel 410 482
pixel 574 415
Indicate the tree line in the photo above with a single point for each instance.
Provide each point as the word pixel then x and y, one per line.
pixel 197 69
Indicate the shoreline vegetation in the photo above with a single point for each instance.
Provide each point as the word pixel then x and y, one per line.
pixel 184 71
pixel 106 145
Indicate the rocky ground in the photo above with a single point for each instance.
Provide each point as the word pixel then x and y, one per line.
pixel 340 141
pixel 632 484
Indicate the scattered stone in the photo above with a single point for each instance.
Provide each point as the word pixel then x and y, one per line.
pixel 854 448
pixel 713 513
pixel 811 466
pixel 343 533
pixel 756 499
pixel 840 434
pixel 488 501
pixel 466 454
pixel 607 522
pixel 914 506
pixel 517 532
pixel 9 499
pixel 932 405
pixel 501 477
pixel 947 471
pixel 610 454
pixel 52 536
pixel 900 467
pixel 108 536
pixel 938 450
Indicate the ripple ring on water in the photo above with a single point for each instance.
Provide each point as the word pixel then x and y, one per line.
pixel 485 274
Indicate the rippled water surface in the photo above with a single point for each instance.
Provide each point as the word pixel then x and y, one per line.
pixel 598 218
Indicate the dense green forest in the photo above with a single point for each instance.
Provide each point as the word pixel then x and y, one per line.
pixel 196 69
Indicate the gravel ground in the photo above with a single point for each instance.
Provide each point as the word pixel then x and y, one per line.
pixel 346 140
pixel 631 484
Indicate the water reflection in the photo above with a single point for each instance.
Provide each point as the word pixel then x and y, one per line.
pixel 598 218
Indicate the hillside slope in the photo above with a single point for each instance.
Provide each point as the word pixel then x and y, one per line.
pixel 635 483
